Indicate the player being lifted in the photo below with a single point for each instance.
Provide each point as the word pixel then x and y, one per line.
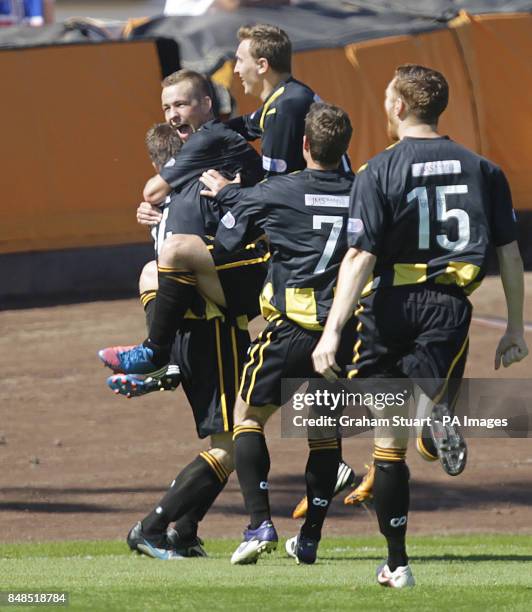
pixel 422 216
pixel 304 216
pixel 264 63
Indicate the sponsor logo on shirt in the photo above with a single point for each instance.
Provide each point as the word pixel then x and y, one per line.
pixel 327 201
pixel 170 163
pixel 437 168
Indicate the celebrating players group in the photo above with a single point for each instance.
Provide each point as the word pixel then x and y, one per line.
pixel 360 276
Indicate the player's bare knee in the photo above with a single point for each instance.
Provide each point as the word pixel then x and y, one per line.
pixel 252 415
pixel 225 456
pixel 179 250
pixel 148 278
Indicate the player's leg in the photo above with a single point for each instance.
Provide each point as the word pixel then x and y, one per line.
pixel 131 385
pixel 186 267
pixel 202 479
pixel 259 397
pixel 391 494
pixel 438 364
pixel 252 463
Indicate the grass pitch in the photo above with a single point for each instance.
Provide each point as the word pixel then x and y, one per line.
pixel 480 572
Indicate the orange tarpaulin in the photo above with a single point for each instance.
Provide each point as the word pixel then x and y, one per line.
pixel 73 159
pixel 74 119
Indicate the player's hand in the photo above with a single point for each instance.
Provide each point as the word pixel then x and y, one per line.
pixel 147 214
pixel 324 356
pixel 511 349
pixel 215 182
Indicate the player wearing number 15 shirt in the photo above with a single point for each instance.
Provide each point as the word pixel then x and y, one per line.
pixel 429 209
pixel 422 217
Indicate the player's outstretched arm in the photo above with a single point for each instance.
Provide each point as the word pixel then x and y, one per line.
pixel 512 346
pixel 354 272
pixel 156 190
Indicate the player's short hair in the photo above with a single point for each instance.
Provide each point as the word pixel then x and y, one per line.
pixel 328 130
pixel 200 84
pixel 425 91
pixel 163 143
pixel 269 42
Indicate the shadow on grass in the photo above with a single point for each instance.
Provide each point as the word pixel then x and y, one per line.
pixel 440 558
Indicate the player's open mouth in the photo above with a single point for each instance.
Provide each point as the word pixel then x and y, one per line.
pixel 184 130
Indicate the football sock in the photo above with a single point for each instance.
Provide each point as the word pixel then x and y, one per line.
pixel 196 482
pixel 391 496
pixel 252 464
pixel 320 475
pixel 147 299
pixel 187 525
pixel 177 289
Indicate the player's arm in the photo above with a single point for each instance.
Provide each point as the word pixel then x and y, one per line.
pixel 354 272
pixel 156 190
pixel 245 216
pixel 512 346
pixel 365 229
pixel 247 125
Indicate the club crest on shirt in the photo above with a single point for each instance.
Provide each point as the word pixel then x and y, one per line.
pixel 355 226
pixel 228 220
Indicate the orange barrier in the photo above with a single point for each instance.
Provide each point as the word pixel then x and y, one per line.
pixel 498 53
pixel 73 158
pixel 74 119
pixel 487 61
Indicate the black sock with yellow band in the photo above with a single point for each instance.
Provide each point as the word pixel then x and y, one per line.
pixel 252 465
pixel 147 299
pixel 320 475
pixel 204 477
pixel 176 292
pixel 391 495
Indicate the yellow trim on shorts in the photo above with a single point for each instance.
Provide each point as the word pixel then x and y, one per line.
pixel 242 263
pixel 356 347
pixel 258 367
pixel 223 399
pixel 260 361
pixel 437 399
pixel 249 362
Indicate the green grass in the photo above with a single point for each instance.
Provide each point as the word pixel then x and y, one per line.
pixel 480 572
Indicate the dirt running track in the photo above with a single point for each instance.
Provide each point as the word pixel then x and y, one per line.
pixel 79 463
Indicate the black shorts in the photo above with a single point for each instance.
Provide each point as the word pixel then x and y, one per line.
pixel 420 332
pixel 284 350
pixel 211 355
pixel 242 274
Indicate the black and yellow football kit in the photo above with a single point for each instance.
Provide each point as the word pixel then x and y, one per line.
pixel 211 342
pixel 280 123
pixel 429 209
pixel 304 216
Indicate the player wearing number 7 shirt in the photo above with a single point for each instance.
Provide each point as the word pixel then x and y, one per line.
pixel 422 217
